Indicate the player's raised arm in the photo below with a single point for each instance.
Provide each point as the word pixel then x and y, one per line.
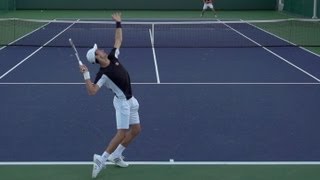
pixel 118 35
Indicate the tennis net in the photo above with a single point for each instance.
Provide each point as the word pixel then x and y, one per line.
pixel 178 34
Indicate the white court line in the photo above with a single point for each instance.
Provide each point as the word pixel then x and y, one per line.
pixel 25 35
pixel 275 54
pixel 173 83
pixel 282 39
pixel 154 56
pixel 170 163
pixel 36 51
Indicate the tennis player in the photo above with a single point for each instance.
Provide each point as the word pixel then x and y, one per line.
pixel 114 76
pixel 208 4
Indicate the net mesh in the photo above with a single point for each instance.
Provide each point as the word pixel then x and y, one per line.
pixel 184 34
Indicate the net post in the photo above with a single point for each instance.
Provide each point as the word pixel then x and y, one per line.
pixel 152 32
pixel 315 9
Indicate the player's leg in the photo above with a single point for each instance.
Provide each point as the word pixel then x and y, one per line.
pixel 99 161
pixel 131 134
pixel 134 122
pixel 122 116
pixel 203 9
pixel 123 123
pixel 122 108
pixel 116 140
pixel 114 151
pixel 117 157
pixel 213 10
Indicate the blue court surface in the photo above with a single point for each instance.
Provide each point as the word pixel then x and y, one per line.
pixel 196 104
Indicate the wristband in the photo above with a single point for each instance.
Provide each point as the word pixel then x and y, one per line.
pixel 118 24
pixel 86 75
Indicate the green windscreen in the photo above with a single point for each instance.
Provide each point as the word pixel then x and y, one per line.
pixel 7 5
pixel 4 6
pixel 301 7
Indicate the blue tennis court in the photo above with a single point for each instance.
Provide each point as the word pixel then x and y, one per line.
pixel 242 94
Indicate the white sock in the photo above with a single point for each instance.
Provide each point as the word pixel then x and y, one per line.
pixel 105 155
pixel 119 150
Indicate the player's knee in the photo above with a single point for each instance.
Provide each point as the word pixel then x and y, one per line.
pixel 135 130
pixel 121 133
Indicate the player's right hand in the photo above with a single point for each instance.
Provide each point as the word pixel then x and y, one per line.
pixel 83 68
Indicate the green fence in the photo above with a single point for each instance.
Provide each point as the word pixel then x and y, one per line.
pixel 7 5
pixel 4 7
pixel 145 4
pixel 301 7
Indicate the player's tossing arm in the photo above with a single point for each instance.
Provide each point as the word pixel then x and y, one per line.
pixel 118 35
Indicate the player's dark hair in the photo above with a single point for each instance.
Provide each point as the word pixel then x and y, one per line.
pixel 96 60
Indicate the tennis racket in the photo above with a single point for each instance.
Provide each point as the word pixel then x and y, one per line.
pixel 75 52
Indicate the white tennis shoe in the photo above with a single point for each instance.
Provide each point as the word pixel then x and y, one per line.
pixel 118 161
pixel 98 165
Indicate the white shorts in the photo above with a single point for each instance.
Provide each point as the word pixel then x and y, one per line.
pixel 206 6
pixel 126 112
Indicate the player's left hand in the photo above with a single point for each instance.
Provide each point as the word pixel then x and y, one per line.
pixel 116 17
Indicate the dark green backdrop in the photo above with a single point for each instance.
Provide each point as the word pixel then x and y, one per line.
pixel 144 4
pixel 318 9
pixel 302 7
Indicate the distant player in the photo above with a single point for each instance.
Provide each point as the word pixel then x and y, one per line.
pixel 208 4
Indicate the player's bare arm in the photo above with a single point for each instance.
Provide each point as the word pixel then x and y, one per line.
pixel 91 87
pixel 118 35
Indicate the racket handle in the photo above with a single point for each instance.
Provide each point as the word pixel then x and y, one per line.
pixel 80 63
